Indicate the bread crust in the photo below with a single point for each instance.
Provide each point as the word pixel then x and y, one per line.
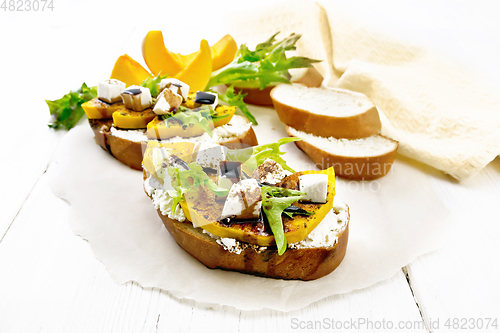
pixel 350 167
pixel 126 151
pixel 295 264
pixel 353 127
pixel 130 152
pixel 255 96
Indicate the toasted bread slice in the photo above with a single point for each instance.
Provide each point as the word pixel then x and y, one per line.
pixel 359 159
pixel 126 145
pixel 127 151
pixel 335 113
pixel 301 261
pixel 309 77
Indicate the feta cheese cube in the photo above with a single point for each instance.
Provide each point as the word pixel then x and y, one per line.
pixel 109 90
pixel 244 201
pixel 315 186
pixel 166 102
pixel 137 98
pixel 176 86
pixel 210 155
pixel 269 172
pixel 161 106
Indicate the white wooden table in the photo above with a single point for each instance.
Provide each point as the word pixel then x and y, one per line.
pixel 49 278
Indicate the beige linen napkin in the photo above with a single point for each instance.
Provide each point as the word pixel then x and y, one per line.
pixel 441 114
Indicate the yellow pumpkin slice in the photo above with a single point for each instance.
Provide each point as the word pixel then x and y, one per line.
pixel 97 109
pixel 160 129
pixel 203 209
pixel 158 58
pixel 129 119
pixel 197 73
pixel 222 53
pixel 223 115
pixel 129 71
pixel 183 150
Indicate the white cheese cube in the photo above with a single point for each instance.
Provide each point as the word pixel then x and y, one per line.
pixel 166 102
pixel 175 86
pixel 315 186
pixel 210 155
pixel 244 201
pixel 109 90
pixel 137 98
pixel 161 106
pixel 269 172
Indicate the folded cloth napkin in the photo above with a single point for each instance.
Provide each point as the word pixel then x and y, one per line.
pixel 441 114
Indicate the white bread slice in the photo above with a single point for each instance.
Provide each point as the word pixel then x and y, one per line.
pixel 238 133
pixel 360 159
pixel 335 112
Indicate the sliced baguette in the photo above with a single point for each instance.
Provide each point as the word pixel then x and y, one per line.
pixel 326 112
pixel 359 159
pixel 297 263
pixel 238 133
pixel 309 77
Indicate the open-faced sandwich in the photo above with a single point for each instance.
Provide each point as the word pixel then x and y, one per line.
pixel 246 210
pixel 125 118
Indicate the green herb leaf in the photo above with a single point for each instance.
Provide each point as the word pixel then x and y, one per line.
pixel 296 211
pixel 267 64
pixel 237 100
pixel 67 110
pixel 153 83
pixel 255 156
pixel 274 201
pixel 201 118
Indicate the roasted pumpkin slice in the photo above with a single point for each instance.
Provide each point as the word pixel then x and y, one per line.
pixel 223 115
pixel 129 119
pixel 165 129
pixel 97 109
pixel 183 150
pixel 203 209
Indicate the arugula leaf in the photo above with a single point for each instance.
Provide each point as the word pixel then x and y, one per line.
pixel 201 118
pixel 291 211
pixel 184 181
pixel 267 64
pixel 274 201
pixel 255 156
pixel 153 83
pixel 67 110
pixel 237 100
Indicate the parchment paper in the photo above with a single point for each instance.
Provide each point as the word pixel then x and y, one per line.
pixel 393 220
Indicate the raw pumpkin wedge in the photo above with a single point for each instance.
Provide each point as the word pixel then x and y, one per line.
pixel 197 73
pixel 129 71
pixel 223 53
pixel 158 58
pixel 129 119
pixel 97 109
